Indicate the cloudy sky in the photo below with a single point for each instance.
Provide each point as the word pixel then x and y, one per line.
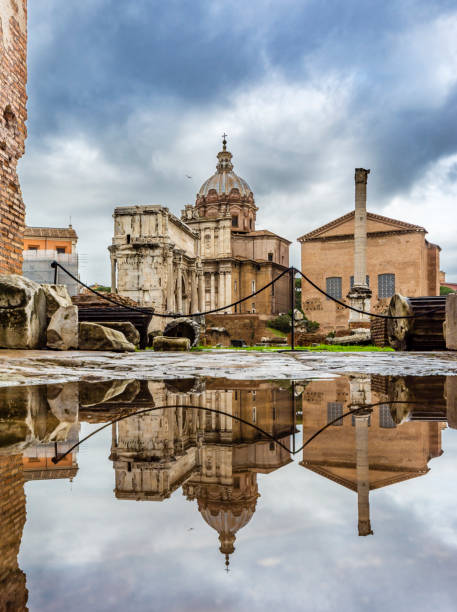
pixel 127 98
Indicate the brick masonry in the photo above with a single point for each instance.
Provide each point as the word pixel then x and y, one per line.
pixel 13 591
pixel 13 131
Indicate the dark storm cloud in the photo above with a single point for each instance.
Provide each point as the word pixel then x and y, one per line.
pixel 126 98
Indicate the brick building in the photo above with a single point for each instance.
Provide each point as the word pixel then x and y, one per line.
pixel 13 114
pixel 399 260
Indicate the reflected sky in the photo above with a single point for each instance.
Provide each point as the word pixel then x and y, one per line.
pixel 82 548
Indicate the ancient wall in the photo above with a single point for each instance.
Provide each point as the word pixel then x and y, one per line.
pixel 13 591
pixel 248 277
pixel 13 114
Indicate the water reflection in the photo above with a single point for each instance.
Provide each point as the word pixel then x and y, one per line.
pixel 213 458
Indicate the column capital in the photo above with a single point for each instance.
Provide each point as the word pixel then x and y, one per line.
pixel 361 175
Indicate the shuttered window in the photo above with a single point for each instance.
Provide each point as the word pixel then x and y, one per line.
pixel 386 285
pixel 385 417
pixel 334 410
pixel 334 286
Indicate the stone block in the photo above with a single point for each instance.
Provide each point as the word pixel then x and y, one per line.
pixel 62 332
pixel 95 337
pixel 57 296
pixel 22 313
pixel 451 401
pixel 162 343
pixel 451 322
pixel 126 328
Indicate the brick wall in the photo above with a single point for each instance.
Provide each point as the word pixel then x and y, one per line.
pixel 247 327
pixel 378 328
pixel 13 591
pixel 13 114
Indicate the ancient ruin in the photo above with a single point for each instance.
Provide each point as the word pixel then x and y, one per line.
pixel 209 259
pixel 13 115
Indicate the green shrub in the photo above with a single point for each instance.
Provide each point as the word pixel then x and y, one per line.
pixel 282 323
pixel 446 290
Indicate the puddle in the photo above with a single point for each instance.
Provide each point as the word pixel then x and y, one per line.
pixel 220 494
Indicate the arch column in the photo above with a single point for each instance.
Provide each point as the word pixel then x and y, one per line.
pixel 113 274
pixel 179 286
pixel 194 291
pixel 170 283
pixel 201 291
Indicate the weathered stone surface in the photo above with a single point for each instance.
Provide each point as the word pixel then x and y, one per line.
pixel 183 328
pixel 63 401
pixel 94 337
pixel 13 131
pixel 451 322
pixel 62 332
pixel 93 393
pixel 353 339
pixel 451 400
pixel 22 313
pixel 57 296
pixel 125 327
pixel 162 343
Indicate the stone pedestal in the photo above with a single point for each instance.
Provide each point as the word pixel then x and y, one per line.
pixel 360 297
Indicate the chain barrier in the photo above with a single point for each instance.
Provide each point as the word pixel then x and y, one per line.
pixel 292 271
pixel 352 411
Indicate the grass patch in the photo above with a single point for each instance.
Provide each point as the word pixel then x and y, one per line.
pixel 276 332
pixel 333 348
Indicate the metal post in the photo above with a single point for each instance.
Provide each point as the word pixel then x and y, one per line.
pixel 292 301
pixel 295 414
pixel 54 265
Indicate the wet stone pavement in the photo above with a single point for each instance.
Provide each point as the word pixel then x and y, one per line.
pixel 311 481
pixel 33 367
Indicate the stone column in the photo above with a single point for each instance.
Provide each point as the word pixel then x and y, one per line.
pixel 363 472
pixel 201 291
pixel 194 291
pixel 170 283
pixel 360 394
pixel 212 291
pixel 113 274
pixel 179 286
pixel 360 293
pixel 228 290
pixel 221 293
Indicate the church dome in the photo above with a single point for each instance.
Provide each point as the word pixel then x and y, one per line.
pixel 224 180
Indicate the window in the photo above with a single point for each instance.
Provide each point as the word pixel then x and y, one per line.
pixel 270 256
pixel 253 307
pixel 333 286
pixel 367 281
pixel 334 411
pixel 386 285
pixel 32 248
pixel 254 414
pixel 60 250
pixel 252 286
pixel 235 286
pixel 250 224
pixel 385 417
pixel 235 221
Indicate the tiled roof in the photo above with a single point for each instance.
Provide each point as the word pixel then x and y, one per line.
pixel 266 233
pixel 400 225
pixel 50 232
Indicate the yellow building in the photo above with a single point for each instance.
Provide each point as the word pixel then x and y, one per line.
pixel 399 259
